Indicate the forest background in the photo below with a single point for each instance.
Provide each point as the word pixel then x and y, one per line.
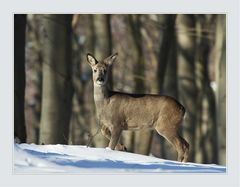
pixel 183 56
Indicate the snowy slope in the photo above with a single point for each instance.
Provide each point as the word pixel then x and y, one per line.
pixel 31 158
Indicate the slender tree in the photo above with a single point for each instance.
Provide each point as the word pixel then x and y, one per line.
pixel 167 79
pixel 220 52
pixel 102 49
pixel 57 87
pixel 89 105
pixel 142 138
pixel 76 134
pixel 167 23
pixel 33 78
pixel 186 47
pixel 19 76
pixel 125 78
pixel 83 106
pixel 206 131
pixel 151 37
pixel 163 71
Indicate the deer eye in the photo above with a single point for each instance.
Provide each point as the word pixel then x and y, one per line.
pixel 95 70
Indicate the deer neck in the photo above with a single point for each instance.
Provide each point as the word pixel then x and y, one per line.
pixel 100 92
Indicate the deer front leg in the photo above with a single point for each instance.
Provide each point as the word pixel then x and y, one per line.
pixel 115 135
pixel 107 133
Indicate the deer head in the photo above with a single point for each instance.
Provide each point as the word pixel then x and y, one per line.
pixel 100 68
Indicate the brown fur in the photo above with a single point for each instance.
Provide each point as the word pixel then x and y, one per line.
pixel 121 111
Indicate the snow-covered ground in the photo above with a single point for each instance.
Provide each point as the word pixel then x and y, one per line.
pixel 31 158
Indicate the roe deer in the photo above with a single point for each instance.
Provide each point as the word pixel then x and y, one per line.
pixel 118 111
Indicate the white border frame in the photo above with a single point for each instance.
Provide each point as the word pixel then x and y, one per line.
pixel 231 178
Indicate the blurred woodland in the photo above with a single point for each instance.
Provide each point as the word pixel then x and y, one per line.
pixel 183 56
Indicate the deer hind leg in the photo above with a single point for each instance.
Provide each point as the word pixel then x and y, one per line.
pixel 185 147
pixel 107 133
pixel 180 144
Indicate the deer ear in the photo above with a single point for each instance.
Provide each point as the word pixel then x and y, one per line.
pixel 91 60
pixel 109 60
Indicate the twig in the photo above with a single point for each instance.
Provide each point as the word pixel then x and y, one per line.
pixel 90 137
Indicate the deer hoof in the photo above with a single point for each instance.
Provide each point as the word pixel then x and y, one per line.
pixel 121 147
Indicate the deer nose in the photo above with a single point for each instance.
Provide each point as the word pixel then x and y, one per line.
pixel 100 79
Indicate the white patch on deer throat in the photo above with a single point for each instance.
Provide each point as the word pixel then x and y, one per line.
pixel 99 82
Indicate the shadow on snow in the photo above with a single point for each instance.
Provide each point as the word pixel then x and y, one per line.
pixel 62 159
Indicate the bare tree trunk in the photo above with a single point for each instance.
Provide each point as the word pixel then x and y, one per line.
pixel 57 87
pixel 33 78
pixel 89 105
pixel 19 76
pixel 206 131
pixel 186 76
pixel 168 23
pixel 220 50
pixel 126 79
pixel 83 115
pixel 168 84
pixel 142 138
pixel 150 48
pixel 77 123
pixel 103 48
